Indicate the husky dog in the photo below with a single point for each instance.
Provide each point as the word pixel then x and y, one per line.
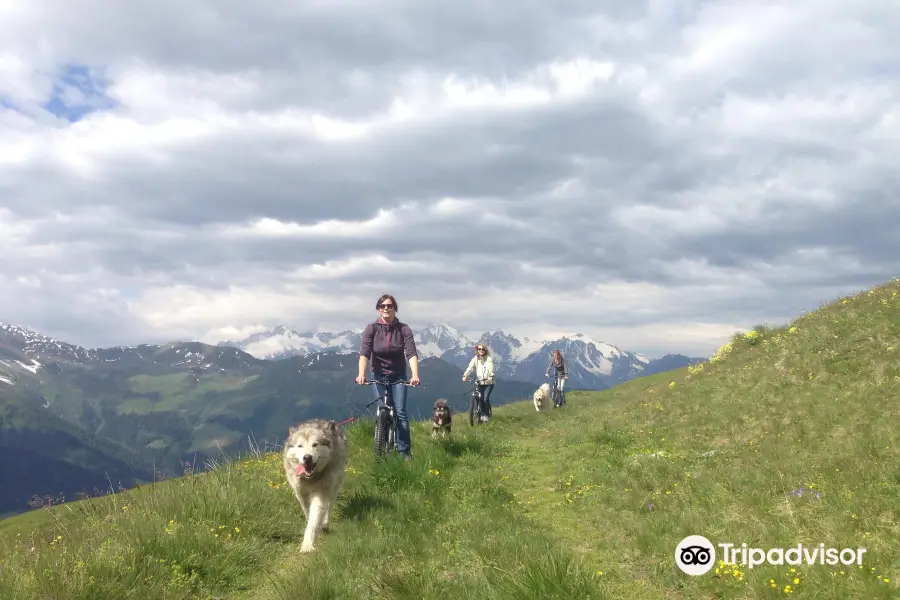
pixel 541 395
pixel 442 420
pixel 315 456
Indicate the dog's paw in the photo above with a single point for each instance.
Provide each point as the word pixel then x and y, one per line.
pixel 307 548
pixel 324 528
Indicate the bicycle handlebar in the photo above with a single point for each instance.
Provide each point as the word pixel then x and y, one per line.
pixel 384 382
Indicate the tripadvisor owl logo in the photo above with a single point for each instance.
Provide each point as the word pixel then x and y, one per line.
pixel 695 555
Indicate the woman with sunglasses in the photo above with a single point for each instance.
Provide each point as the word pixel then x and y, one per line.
pixel 389 344
pixel 483 365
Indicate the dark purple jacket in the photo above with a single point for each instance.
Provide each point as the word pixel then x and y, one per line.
pixel 388 346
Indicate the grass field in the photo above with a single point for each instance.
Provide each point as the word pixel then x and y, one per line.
pixel 786 437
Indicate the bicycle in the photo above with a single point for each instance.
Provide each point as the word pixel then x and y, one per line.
pixel 476 404
pixel 557 395
pixel 385 425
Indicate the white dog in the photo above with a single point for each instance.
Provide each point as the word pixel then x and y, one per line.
pixel 541 396
pixel 315 456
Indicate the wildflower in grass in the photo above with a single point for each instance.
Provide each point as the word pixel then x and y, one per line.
pixel 721 353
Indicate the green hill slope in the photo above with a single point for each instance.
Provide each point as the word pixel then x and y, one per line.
pixel 788 437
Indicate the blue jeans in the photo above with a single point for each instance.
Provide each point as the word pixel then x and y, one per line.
pixel 401 419
pixel 486 397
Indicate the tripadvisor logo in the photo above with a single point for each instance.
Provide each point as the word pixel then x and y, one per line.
pixel 696 555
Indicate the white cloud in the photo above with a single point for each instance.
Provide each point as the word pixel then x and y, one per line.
pixel 653 175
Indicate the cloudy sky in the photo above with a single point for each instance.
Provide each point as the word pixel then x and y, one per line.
pixel 655 174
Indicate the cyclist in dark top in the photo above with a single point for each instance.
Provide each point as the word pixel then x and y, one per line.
pixel 389 344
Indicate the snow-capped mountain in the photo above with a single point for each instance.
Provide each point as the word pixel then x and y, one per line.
pixel 283 341
pixel 15 347
pixel 506 350
pixel 435 339
pixel 592 364
pixel 40 346
pixel 23 353
pixel 587 361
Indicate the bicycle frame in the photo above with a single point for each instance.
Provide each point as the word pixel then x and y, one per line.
pixel 385 423
pixel 558 395
pixel 476 404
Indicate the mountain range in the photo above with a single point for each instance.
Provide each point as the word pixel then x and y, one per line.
pixel 592 365
pixel 75 420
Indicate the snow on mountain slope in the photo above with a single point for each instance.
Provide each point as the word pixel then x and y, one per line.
pixel 526 348
pixel 24 353
pixel 435 339
pixel 283 341
pixel 592 364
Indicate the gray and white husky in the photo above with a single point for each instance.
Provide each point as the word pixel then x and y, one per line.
pixel 315 456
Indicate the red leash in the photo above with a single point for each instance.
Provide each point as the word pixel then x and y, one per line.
pixel 347 420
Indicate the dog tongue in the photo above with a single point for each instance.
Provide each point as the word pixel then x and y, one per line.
pixel 301 469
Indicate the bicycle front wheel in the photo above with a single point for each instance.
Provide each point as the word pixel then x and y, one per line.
pixel 474 413
pixel 382 430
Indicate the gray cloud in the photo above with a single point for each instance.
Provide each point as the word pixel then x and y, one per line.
pixel 652 177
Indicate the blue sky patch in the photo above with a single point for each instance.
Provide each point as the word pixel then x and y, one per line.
pixel 78 91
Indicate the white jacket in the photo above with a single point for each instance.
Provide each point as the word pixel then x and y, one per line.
pixel 484 369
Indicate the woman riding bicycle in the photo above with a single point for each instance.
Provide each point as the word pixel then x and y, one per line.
pixel 389 344
pixel 483 365
pixel 562 372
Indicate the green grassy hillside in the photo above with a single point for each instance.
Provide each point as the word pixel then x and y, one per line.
pixel 788 436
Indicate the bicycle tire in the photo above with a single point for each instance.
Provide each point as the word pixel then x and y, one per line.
pixel 474 412
pixel 382 431
pixel 392 434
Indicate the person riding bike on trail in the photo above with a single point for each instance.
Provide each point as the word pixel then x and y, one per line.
pixel 562 372
pixel 483 365
pixel 389 344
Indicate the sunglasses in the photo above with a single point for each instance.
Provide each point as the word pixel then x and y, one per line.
pixel 383 306
pixel 479 349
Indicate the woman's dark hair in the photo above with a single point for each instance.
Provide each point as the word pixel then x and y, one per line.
pixel 557 356
pixel 388 297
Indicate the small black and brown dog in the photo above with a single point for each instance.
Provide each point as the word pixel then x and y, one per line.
pixel 442 420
